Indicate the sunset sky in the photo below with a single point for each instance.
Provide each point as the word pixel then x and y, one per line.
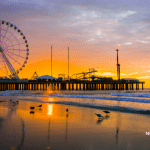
pixel 92 30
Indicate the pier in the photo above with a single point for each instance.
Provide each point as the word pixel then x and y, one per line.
pixel 71 85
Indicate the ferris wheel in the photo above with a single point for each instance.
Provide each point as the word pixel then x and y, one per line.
pixel 14 50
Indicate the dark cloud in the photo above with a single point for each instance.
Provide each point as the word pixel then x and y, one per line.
pixel 80 20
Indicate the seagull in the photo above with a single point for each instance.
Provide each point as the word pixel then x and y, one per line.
pixel 14 103
pixel 67 110
pixel 106 111
pixel 99 116
pixel 32 107
pixel 40 105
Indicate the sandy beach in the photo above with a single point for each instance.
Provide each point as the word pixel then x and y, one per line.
pixel 51 127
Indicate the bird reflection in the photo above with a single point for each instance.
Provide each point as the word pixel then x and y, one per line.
pixel 106 117
pixel 99 121
pixel 31 112
pixel 67 115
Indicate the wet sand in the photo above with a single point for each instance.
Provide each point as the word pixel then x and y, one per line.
pixel 51 127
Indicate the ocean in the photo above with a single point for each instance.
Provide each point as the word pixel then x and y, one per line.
pixel 132 101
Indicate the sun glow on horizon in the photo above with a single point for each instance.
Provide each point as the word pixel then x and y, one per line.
pixel 92 33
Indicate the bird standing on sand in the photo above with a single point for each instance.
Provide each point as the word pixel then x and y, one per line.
pixel 14 103
pixel 99 116
pixel 32 107
pixel 40 105
pixel 67 110
pixel 106 111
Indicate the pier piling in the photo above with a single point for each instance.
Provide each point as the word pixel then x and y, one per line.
pixel 70 85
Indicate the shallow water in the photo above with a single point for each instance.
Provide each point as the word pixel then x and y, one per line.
pixel 51 127
pixel 124 101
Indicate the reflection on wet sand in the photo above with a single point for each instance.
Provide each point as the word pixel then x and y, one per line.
pixel 55 128
pixel 31 112
pixel 12 107
pixel 106 117
pixel 118 125
pixel 99 121
pixel 48 137
pixel 23 136
pixel 49 113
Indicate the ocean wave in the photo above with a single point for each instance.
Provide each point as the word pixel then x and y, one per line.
pixel 113 108
pixel 104 98
pixel 82 100
pixel 113 96
pixel 22 93
pixel 131 95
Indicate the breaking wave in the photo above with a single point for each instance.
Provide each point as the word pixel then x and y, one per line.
pixel 131 95
pixel 105 98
